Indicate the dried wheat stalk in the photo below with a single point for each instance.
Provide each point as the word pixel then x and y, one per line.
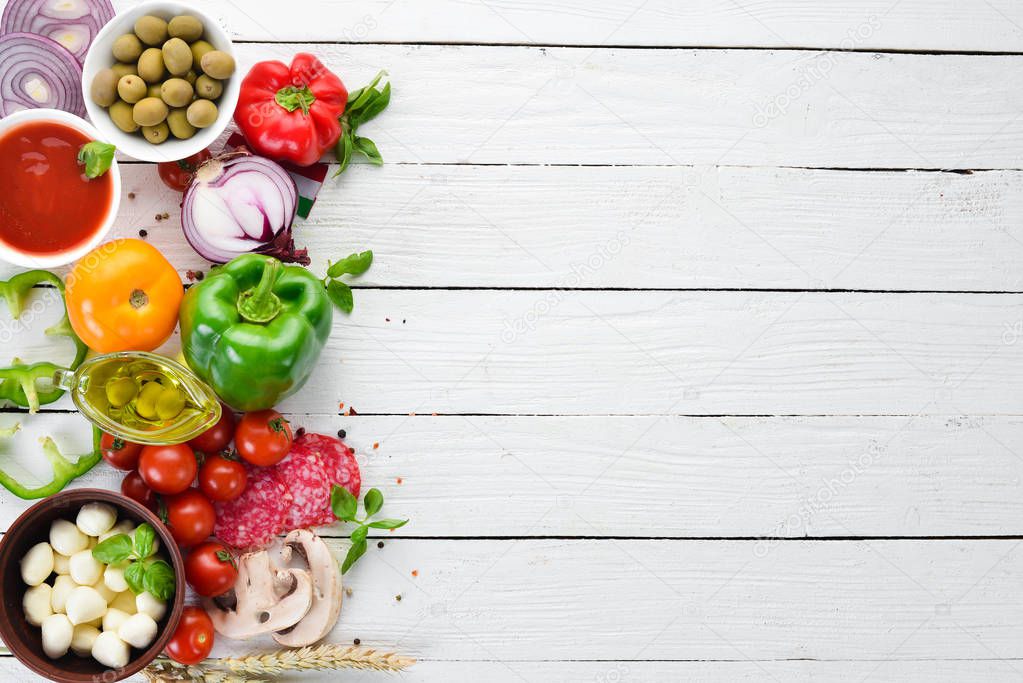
pixel 321 657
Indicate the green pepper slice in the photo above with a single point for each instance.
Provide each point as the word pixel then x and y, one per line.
pixel 64 471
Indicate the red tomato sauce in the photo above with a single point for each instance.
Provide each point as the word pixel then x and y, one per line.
pixel 47 205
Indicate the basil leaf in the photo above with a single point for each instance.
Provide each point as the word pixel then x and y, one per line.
pixel 133 576
pixel 159 580
pixel 343 151
pixel 360 533
pixel 343 503
pixel 373 500
pixel 353 264
pixel 97 157
pixel 341 295
pixel 376 105
pixel 354 553
pixel 144 537
pixel 358 98
pixel 388 524
pixel 113 550
pixel 368 149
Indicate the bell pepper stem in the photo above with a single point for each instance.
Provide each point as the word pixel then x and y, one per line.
pixel 260 304
pixel 292 97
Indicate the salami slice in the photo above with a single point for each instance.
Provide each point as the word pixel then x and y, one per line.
pixel 306 477
pixel 254 518
pixel 339 460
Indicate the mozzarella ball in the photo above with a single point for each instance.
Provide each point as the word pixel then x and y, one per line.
pixel 95 519
pixel 93 542
pixel 123 527
pixel 83 638
pixel 110 651
pixel 113 619
pixel 61 564
pixel 147 603
pixel 57 633
pixel 36 603
pixel 37 564
pixel 113 578
pixel 96 623
pixel 124 601
pixel 62 587
pixel 102 589
pixel 84 604
pixel 139 630
pixel 85 569
pixel 66 538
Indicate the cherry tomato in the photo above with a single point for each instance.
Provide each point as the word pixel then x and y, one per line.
pixel 124 455
pixel 210 569
pixel 190 517
pixel 133 487
pixel 217 437
pixel 168 469
pixel 263 437
pixel 222 478
pixel 178 174
pixel 193 638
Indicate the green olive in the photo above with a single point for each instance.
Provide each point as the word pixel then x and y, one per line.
pixel 149 111
pixel 103 89
pixel 156 134
pixel 191 77
pixel 217 64
pixel 153 90
pixel 202 113
pixel 185 27
pixel 151 65
pixel 127 48
pixel 208 88
pixel 170 404
pixel 151 30
pixel 145 404
pixel 176 92
pixel 131 88
pixel 122 69
pixel 120 391
pixel 121 115
pixel 180 128
pixel 177 57
pixel 199 48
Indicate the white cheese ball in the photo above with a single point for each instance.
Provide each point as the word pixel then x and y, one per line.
pixel 61 564
pixel 62 587
pixel 37 564
pixel 139 630
pixel 84 604
pixel 111 651
pixel 86 569
pixel 83 638
pixel 36 603
pixel 57 633
pixel 96 623
pixel 66 538
pixel 95 519
pixel 102 589
pixel 113 578
pixel 147 603
pixel 113 619
pixel 123 527
pixel 124 601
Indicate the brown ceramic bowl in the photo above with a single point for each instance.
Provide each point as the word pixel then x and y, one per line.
pixel 24 640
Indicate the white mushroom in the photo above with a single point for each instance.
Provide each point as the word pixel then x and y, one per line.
pixel 95 519
pixel 263 600
pixel 66 538
pixel 82 639
pixel 86 570
pixel 84 604
pixel 57 633
pixel 62 587
pixel 326 607
pixel 111 651
pixel 36 603
pixel 147 603
pixel 37 564
pixel 61 564
pixel 113 619
pixel 124 601
pixel 113 578
pixel 138 630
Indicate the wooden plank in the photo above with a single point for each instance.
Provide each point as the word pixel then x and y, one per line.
pixel 659 227
pixel 648 476
pixel 906 25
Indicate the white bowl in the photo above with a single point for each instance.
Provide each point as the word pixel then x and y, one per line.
pixel 99 57
pixel 28 260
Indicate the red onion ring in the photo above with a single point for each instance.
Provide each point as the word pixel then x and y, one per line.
pixel 36 72
pixel 73 24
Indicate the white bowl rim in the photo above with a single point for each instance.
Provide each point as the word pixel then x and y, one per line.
pixel 21 258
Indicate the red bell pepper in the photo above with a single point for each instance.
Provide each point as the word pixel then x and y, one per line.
pixel 291 114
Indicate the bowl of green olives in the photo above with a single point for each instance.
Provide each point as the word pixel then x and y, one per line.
pixel 160 81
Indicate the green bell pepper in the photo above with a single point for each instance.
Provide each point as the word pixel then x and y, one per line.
pixel 254 328
pixel 64 471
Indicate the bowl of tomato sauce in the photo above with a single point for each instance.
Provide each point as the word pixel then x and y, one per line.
pixel 51 213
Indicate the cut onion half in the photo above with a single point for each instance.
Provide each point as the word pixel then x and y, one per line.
pixel 70 23
pixel 35 73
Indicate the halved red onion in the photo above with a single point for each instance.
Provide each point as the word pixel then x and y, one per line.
pixel 36 72
pixel 240 203
pixel 71 23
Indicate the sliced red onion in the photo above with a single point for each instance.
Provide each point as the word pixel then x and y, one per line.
pixel 36 72
pixel 238 204
pixel 71 23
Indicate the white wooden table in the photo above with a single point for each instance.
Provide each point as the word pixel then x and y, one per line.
pixel 692 342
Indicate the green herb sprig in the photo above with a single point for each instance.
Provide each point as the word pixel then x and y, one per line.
pixel 363 105
pixel 339 292
pixel 143 574
pixel 97 158
pixel 346 509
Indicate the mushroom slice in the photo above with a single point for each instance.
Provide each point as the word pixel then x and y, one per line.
pixel 326 589
pixel 263 600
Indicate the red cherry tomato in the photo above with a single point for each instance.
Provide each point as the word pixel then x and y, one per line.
pixel 263 437
pixel 221 478
pixel 217 437
pixel 193 638
pixel 210 569
pixel 133 487
pixel 178 174
pixel 190 517
pixel 168 469
pixel 124 455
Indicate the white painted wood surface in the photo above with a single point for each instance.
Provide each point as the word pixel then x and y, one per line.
pixel 665 447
